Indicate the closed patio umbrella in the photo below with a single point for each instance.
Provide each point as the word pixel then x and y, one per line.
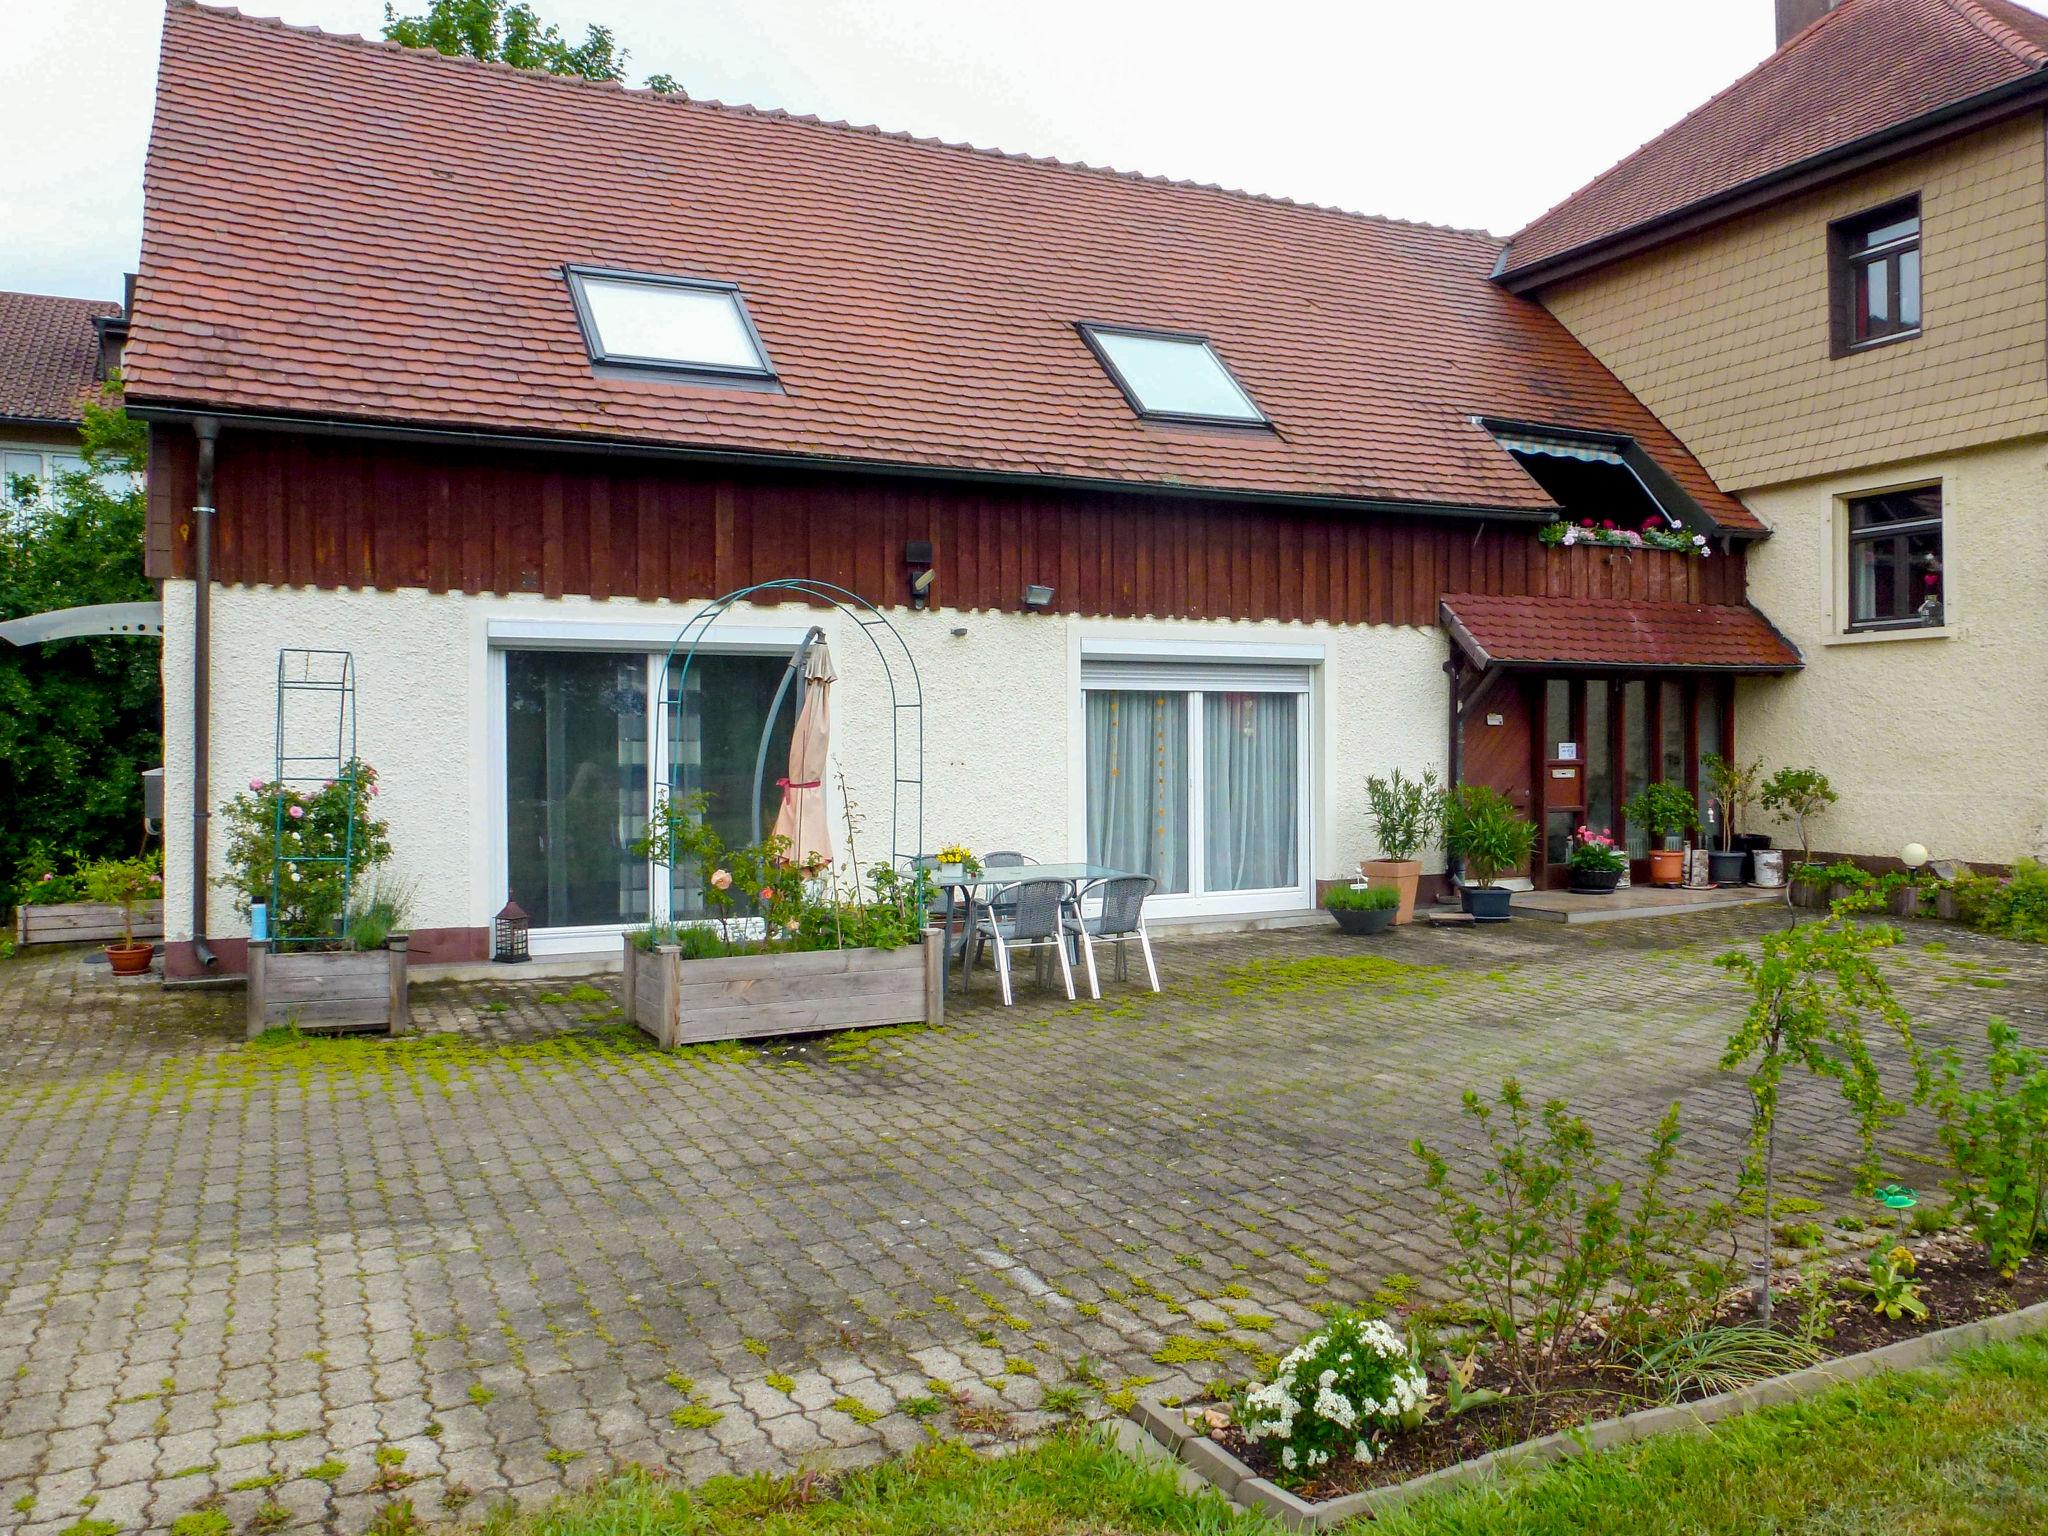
pixel 802 817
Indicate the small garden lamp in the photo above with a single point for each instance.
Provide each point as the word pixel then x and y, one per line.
pixel 1896 1197
pixel 508 935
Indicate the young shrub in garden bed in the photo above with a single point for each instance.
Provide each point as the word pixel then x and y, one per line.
pixel 1336 1396
pixel 1997 1138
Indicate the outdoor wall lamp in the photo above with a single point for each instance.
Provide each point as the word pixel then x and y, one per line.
pixel 1037 598
pixel 917 555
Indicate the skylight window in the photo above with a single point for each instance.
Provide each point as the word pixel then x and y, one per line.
pixel 683 324
pixel 1171 376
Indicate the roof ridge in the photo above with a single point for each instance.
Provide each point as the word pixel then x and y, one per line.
pixel 1798 39
pixel 2002 32
pixel 682 100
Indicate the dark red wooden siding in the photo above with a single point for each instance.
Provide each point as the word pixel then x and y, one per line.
pixel 334 512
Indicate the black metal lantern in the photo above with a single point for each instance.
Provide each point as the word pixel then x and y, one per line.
pixel 508 935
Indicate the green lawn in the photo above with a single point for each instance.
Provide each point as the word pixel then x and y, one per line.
pixel 1957 1452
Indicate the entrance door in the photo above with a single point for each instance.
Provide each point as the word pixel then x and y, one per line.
pixel 1500 746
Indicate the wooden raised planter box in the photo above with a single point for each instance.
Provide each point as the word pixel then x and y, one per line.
pixel 84 922
pixel 328 989
pixel 744 997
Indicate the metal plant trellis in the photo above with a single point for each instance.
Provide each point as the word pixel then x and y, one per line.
pixel 316 702
pixel 906 702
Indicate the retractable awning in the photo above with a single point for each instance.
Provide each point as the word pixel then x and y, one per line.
pixel 1566 633
pixel 1559 448
pixel 140 620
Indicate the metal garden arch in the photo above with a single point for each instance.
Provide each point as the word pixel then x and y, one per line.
pixel 906 700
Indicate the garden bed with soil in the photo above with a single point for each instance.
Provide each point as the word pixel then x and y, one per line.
pixel 1956 1283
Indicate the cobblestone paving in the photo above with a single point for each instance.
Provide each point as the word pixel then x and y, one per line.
pixel 495 1258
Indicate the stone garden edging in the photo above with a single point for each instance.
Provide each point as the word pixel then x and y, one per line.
pixel 1236 1481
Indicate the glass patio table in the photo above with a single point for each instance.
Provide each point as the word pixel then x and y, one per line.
pixel 971 890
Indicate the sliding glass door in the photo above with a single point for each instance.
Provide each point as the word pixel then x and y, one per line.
pixel 586 757
pixel 576 786
pixel 1205 788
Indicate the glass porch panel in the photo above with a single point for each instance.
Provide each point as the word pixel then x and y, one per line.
pixel 1671 764
pixel 1635 757
pixel 1598 752
pixel 1251 791
pixel 715 745
pixel 1557 714
pixel 576 786
pixel 1710 744
pixel 1138 783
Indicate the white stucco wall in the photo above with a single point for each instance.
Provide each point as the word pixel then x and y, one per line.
pixel 1940 739
pixel 1003 740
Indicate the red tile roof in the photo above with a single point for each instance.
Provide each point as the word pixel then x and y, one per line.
pixel 347 229
pixel 49 355
pixel 1865 67
pixel 1601 632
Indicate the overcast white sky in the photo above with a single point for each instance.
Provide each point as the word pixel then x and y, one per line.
pixel 1478 113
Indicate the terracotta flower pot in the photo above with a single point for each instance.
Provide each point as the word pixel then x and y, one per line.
pixel 1667 866
pixel 130 959
pixel 1401 875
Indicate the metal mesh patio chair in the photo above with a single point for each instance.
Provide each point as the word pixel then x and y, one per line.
pixel 998 896
pixel 1038 921
pixel 1121 920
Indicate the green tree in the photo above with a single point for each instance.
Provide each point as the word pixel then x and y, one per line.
pixel 1812 986
pixel 513 34
pixel 79 719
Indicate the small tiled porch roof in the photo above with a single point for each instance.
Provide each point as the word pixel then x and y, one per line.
pixel 1568 632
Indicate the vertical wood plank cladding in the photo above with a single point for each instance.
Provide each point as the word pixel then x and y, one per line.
pixel 330 511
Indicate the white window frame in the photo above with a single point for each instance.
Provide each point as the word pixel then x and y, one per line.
pixel 1231 668
pixel 654 642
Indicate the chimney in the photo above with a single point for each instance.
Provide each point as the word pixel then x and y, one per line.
pixel 1795 16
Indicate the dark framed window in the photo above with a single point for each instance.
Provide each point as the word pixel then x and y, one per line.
pixel 1875 262
pixel 1172 376
pixel 683 325
pixel 1895 559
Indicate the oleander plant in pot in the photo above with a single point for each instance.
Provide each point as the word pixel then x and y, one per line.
pixel 1363 910
pixel 1406 815
pixel 1596 862
pixel 1735 789
pixel 127 884
pixel 1667 812
pixel 1483 832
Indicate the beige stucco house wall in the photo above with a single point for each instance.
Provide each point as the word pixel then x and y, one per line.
pixel 1935 736
pixel 1932 736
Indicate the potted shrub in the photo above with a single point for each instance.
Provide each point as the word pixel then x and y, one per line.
pixel 1798 795
pixel 1595 862
pixel 1405 815
pixel 335 954
pixel 1482 832
pixel 1735 790
pixel 128 884
pixel 1667 812
pixel 1363 910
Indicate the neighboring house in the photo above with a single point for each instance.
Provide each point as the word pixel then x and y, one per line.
pixel 1831 281
pixel 53 353
pixel 1227 501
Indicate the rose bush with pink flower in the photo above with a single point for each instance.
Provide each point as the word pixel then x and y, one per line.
pixel 306 890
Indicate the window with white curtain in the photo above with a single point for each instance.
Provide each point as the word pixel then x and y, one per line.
pixel 1198 776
